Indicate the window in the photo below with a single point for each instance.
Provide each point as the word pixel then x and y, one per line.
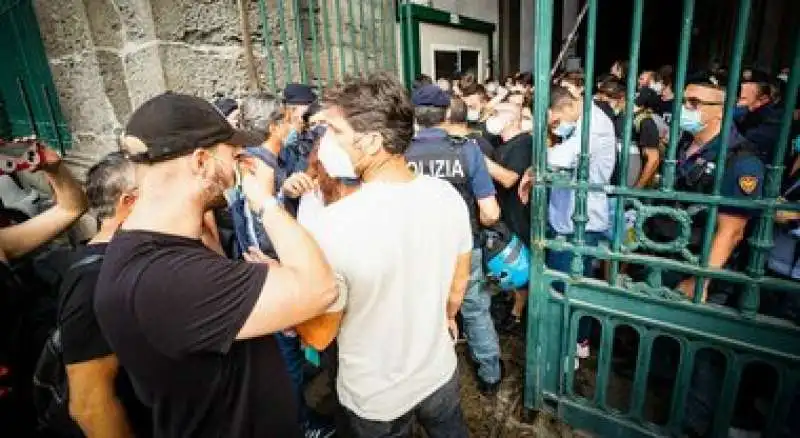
pixel 449 60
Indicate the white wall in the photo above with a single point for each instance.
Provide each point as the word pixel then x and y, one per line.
pixel 434 36
pixel 526 34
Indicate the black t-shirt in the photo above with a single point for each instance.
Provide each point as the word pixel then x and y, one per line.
pixel 665 110
pixel 82 340
pixel 647 135
pixel 515 155
pixel 486 147
pixel 171 309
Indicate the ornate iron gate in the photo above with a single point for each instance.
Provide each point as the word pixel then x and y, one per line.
pixel 28 101
pixel 664 330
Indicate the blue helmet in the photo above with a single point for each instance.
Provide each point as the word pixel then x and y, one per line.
pixel 508 260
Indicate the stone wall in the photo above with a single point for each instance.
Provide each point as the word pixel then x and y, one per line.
pixel 109 56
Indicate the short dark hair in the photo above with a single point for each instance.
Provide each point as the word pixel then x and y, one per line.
pixel 458 111
pixel 665 73
pixel 429 116
pixel 575 78
pixel 473 88
pixel 560 97
pixel 106 181
pixel 525 78
pixel 276 117
pixel 421 81
pixel 378 102
pixel 623 66
pixel 611 87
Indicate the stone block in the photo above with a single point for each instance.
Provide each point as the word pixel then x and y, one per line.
pixel 211 22
pixel 81 94
pixel 105 23
pixel 137 19
pixel 144 74
pixel 64 27
pixel 203 72
pixel 112 72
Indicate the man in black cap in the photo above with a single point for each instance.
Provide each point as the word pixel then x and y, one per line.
pixel 193 328
pixel 460 162
pixel 293 159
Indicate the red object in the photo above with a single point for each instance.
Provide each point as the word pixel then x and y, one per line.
pixel 20 155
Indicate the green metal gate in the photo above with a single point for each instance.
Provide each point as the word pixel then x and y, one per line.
pixel 651 315
pixel 28 101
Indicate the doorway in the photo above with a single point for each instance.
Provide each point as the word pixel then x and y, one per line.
pixel 449 60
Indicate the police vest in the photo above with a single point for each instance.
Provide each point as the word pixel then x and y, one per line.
pixel 444 158
pixel 698 175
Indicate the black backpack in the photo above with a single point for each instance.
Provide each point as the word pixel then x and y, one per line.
pixel 50 388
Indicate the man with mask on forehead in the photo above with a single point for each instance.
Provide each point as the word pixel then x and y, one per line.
pixel 193 328
pixel 402 243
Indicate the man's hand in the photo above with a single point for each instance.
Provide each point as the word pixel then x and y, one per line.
pixel 257 181
pixel 452 327
pixel 297 184
pixel 687 287
pixel 254 255
pixel 525 186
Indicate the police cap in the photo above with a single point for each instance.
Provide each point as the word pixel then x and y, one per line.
pixel 430 95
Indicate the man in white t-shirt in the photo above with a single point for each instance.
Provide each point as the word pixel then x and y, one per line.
pixel 402 244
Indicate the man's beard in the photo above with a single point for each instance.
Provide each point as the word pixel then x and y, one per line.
pixel 215 193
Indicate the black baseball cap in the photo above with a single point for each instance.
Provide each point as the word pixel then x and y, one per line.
pixel 430 95
pixel 298 94
pixel 172 124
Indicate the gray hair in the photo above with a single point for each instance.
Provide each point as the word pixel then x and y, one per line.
pixel 106 181
pixel 256 110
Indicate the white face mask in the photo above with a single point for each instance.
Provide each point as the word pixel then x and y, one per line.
pixel 334 159
pixel 658 87
pixel 473 115
pixel 783 77
pixel 495 125
pixel 527 125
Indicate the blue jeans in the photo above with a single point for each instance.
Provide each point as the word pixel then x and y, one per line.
pixel 478 324
pixel 439 414
pixel 562 261
pixel 293 356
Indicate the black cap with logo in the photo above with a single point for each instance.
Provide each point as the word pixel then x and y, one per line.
pixel 172 124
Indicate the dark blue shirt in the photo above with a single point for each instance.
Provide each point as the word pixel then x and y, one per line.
pixel 743 173
pixel 762 128
pixel 479 179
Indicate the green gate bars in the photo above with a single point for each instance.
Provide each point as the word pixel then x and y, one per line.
pixel 652 337
pixel 320 41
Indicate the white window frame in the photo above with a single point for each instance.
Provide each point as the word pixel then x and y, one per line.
pixel 457 49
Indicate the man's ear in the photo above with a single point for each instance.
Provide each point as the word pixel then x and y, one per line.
pixel 198 161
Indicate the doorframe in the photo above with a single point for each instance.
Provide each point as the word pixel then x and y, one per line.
pixel 410 17
pixel 457 48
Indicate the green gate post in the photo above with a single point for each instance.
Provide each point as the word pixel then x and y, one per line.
pixel 287 63
pixel 352 34
pixel 266 33
pixel 537 331
pixel 312 17
pixel 328 51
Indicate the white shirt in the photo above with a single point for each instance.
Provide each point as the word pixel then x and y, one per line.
pixel 396 246
pixel 602 156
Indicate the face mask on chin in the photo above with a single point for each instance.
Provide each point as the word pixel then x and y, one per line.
pixel 291 137
pixel 565 129
pixel 495 125
pixel 473 115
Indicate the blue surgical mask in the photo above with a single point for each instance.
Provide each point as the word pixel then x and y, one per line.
pixel 739 111
pixel 565 129
pixel 690 121
pixel 291 137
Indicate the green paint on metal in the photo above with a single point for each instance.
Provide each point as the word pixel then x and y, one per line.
pixel 312 18
pixel 352 26
pixel 375 41
pixel 339 33
pixel 266 33
pixel 29 101
pixel 287 63
pixel 328 51
pixel 648 305
pixel 298 37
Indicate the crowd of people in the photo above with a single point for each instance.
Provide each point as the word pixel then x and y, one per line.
pixel 363 229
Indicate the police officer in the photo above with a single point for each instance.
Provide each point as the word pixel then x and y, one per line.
pixel 460 162
pixel 293 157
pixel 743 177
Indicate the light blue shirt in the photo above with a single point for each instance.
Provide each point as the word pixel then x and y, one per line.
pixel 602 157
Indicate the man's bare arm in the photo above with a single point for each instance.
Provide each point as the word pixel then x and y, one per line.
pixel 505 177
pixel 302 285
pixel 93 403
pixel 459 285
pixel 489 211
pixel 18 240
pixel 652 160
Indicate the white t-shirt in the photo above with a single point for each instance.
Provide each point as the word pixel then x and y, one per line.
pixel 396 246
pixel 602 155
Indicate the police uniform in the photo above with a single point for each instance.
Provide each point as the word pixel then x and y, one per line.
pixel 460 162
